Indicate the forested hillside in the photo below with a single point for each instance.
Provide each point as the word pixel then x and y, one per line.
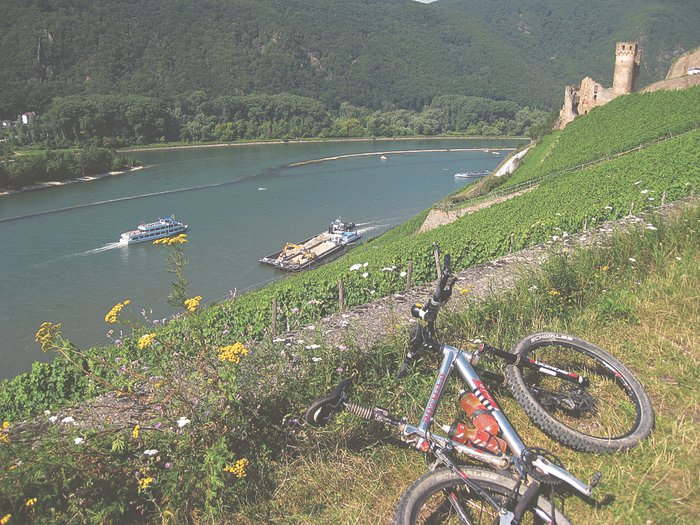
pixel 380 55
pixel 578 40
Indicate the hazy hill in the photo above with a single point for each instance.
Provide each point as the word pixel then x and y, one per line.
pixel 377 54
pixel 578 39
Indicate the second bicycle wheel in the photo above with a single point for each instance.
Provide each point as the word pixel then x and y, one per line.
pixel 607 411
pixel 427 500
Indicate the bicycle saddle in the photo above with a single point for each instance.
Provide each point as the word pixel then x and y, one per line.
pixel 320 411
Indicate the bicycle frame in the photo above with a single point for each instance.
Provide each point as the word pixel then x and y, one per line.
pixel 462 360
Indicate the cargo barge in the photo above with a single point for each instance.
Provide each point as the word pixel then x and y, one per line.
pixel 315 250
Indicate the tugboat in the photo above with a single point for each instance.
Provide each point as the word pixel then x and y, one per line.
pixel 153 230
pixel 315 250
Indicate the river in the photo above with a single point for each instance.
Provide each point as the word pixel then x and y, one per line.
pixel 60 260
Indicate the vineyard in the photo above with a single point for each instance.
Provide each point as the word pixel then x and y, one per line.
pixel 625 123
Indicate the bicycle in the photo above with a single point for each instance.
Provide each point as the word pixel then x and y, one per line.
pixel 575 392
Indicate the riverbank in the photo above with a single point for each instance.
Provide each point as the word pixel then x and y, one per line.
pixel 54 184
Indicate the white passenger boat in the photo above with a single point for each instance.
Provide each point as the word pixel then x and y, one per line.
pixel 153 230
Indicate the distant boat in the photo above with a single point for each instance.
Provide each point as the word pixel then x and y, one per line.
pixel 383 157
pixel 471 174
pixel 262 189
pixel 153 230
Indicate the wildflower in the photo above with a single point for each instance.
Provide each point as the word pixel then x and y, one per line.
pixel 403 274
pixel 53 419
pixel 465 290
pixel 144 483
pixel 78 440
pixel 193 303
pixel 232 353
pixel 146 340
pixel 365 275
pixel 355 267
pixel 150 452
pixel 316 359
pixel 4 438
pixel 644 192
pixel 5 425
pixel 554 293
pixel 605 268
pixel 183 421
pixel 238 468
pixel 5 519
pixel 170 241
pixel 31 502
pixel 364 265
pixel 46 334
pixel 632 260
pixel 113 314
pixel 135 432
pixel 312 347
pixel 67 420
pixel 651 227
pixel 532 288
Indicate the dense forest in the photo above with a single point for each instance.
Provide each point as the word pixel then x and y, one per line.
pixel 382 55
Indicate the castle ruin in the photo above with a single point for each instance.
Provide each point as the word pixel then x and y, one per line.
pixel 580 100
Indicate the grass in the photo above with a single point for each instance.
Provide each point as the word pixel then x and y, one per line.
pixel 646 312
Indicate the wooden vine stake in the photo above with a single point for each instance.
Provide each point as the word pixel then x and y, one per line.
pixel 436 254
pixel 409 276
pixel 274 316
pixel 663 198
pixel 341 295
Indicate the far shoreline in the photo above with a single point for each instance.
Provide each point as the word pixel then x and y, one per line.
pixel 89 178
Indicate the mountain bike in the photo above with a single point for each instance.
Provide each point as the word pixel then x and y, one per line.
pixel 575 392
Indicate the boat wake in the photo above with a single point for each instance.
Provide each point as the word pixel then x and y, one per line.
pixel 106 247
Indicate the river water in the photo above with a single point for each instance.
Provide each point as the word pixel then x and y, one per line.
pixel 60 260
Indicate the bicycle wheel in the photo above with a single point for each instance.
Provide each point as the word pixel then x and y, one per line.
pixel 610 413
pixel 427 500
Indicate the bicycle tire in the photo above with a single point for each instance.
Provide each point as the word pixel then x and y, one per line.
pixel 619 414
pixel 425 500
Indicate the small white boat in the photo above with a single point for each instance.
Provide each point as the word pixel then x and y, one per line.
pixel 153 230
pixel 383 157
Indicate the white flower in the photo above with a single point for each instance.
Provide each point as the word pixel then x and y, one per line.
pixel 78 441
pixel 355 267
pixel 183 421
pixel 387 269
pixel 47 412
pixel 632 260
pixel 316 359
pixel 403 274
pixel 150 452
pixel 53 419
pixel 638 182
pixel 678 258
pixel 312 347
pixel 565 234
pixel 365 265
pixel 650 198
pixel 365 275
pixel 279 340
pixel 555 237
pixel 608 208
pixel 68 419
pixel 644 192
pixel 651 227
pixel 532 288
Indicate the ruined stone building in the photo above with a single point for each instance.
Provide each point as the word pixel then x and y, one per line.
pixel 580 100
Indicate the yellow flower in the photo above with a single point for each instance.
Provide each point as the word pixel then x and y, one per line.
pixel 465 290
pixel 5 519
pixel 4 438
pixel 169 241
pixel 193 303
pixel 144 483
pixel 5 425
pixel 146 340
pixel 46 334
pixel 30 502
pixel 554 293
pixel 232 353
pixel 113 314
pixel 135 432
pixel 237 469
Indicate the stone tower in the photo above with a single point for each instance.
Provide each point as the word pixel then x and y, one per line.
pixel 627 59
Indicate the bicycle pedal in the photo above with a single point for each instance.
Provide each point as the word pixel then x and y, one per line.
pixel 595 479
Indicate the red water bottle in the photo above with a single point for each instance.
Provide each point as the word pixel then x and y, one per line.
pixel 475 437
pixel 478 414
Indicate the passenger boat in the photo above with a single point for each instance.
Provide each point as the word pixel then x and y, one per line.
pixel 315 250
pixel 153 230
